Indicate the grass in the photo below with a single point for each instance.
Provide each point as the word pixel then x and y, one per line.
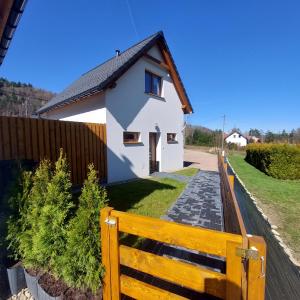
pixel 187 172
pixel 148 197
pixel 280 199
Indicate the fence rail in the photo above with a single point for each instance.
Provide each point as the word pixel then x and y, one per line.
pixel 194 277
pixel 35 139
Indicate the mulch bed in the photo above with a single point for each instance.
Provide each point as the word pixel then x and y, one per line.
pixel 75 294
pixel 52 286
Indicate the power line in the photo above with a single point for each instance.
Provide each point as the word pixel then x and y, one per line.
pixel 132 19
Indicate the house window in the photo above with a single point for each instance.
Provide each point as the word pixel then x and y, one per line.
pixel 131 137
pixel 171 138
pixel 152 83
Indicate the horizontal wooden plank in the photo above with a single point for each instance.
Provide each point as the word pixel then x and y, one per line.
pixel 176 234
pixel 190 276
pixel 141 290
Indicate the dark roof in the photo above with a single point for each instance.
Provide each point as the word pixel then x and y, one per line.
pixel 104 75
pixel 10 14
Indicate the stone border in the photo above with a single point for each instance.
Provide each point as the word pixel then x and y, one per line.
pixel 22 295
pixel 276 234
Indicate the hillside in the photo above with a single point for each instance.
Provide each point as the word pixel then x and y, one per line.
pixel 21 99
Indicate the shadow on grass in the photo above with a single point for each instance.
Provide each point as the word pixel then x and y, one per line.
pixel 127 195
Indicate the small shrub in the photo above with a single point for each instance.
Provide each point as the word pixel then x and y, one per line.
pixel 50 237
pixel 18 204
pixel 277 160
pixel 30 214
pixel 82 267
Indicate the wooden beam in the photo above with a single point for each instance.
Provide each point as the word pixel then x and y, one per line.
pixel 177 83
pixel 140 290
pixel 5 7
pixel 156 61
pixel 184 274
pixel 175 234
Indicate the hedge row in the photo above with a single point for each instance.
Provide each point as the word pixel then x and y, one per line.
pixel 277 160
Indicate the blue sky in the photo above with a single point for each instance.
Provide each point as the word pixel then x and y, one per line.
pixel 239 58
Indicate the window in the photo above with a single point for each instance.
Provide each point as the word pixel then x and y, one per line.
pixel 171 138
pixel 131 137
pixel 152 84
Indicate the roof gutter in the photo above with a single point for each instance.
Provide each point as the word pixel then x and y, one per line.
pixel 13 19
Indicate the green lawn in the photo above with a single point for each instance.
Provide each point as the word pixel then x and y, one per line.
pixel 280 199
pixel 148 197
pixel 187 171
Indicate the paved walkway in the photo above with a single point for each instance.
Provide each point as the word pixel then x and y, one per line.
pixel 200 203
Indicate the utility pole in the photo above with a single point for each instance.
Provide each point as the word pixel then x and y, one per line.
pixel 223 135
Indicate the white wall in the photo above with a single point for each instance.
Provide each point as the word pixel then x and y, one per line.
pixel 130 109
pixel 237 139
pixel 90 110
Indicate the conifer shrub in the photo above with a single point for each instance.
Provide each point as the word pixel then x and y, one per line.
pixel 82 267
pixel 31 212
pixel 49 239
pixel 277 160
pixel 18 205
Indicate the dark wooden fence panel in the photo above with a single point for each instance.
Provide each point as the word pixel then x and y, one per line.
pixel 35 139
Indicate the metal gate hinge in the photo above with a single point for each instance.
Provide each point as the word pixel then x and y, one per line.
pixel 111 222
pixel 251 253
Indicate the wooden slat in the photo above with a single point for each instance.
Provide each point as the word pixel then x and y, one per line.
pixel 34 139
pixel 105 150
pixel 41 138
pixel 82 154
pixel 57 138
pixel 20 138
pixel 47 139
pixel 256 268
pixel 78 153
pixel 173 233
pixel 52 140
pixel 13 137
pixel 6 139
pixel 183 274
pixel 105 246
pixel 233 272
pixel 28 141
pixel 139 290
pixel 1 141
pixel 73 159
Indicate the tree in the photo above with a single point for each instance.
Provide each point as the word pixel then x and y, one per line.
pixel 269 137
pixel 50 239
pixel 255 132
pixel 82 268
pixel 18 205
pixel 31 213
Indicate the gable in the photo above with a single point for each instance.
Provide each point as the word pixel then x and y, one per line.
pixel 104 76
pixel 156 53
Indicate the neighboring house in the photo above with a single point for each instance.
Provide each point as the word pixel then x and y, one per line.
pixel 237 138
pixel 10 14
pixel 140 97
pixel 253 139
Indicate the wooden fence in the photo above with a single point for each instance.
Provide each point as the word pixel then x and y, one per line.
pixel 228 285
pixel 35 139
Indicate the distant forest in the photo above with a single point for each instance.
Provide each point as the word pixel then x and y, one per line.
pixel 21 99
pixel 202 136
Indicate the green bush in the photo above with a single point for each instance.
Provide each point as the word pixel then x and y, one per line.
pixel 50 237
pixel 277 160
pixel 18 204
pixel 81 260
pixel 30 214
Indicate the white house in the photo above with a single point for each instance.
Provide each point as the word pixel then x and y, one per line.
pixel 140 97
pixel 237 138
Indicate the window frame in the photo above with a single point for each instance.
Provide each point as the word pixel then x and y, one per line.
pixel 152 75
pixel 132 141
pixel 173 140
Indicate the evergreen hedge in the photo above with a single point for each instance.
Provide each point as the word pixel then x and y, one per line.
pixel 280 161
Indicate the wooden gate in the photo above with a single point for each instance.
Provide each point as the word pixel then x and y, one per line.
pixel 229 246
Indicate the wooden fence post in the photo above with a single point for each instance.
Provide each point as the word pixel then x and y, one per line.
pixel 231 181
pixel 114 258
pixel 105 246
pixel 233 272
pixel 257 269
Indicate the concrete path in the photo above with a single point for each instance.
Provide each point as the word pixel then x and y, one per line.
pixel 202 160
